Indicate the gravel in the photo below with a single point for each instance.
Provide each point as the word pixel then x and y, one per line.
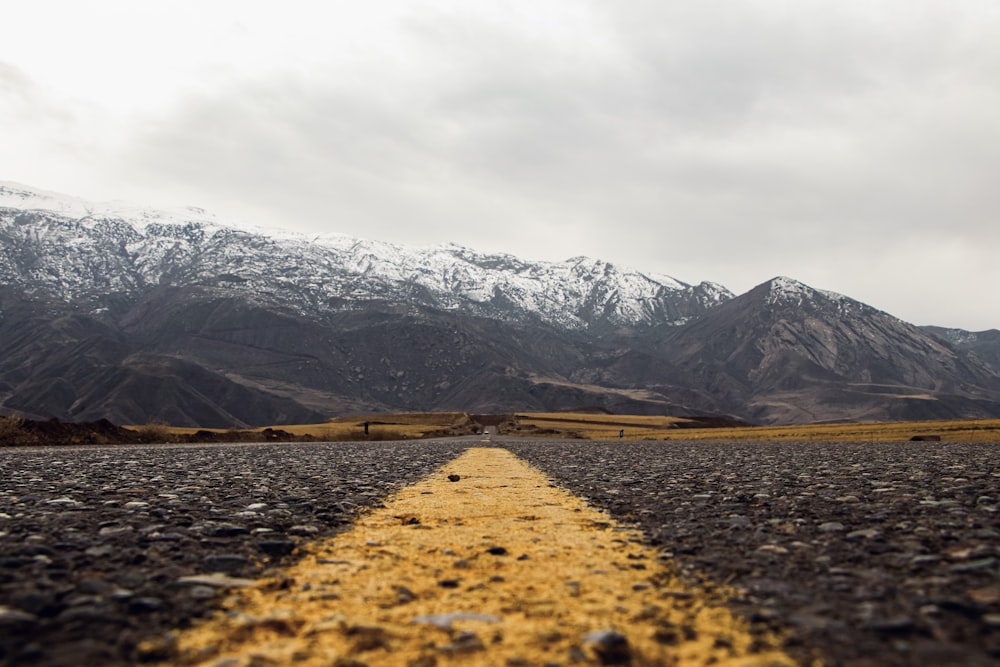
pixel 865 554
pixel 102 548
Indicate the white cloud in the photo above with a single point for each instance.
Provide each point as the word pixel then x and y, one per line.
pixel 853 146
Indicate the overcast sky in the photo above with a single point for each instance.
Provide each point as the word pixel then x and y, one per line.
pixel 854 146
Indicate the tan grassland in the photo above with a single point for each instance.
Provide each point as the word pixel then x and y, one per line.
pixel 404 426
pixel 591 426
pixel 608 427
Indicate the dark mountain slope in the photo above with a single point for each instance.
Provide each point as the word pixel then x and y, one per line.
pixel 984 344
pixel 787 352
pixel 380 357
pixel 73 367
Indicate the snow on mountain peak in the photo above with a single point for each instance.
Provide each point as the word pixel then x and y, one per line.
pixel 16 195
pixel 783 289
pixel 786 284
pixel 138 248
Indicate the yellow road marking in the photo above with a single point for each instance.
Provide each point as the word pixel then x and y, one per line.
pixel 497 567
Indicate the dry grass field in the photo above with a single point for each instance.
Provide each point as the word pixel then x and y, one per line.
pixel 15 431
pixel 410 425
pixel 593 426
pixel 402 426
pixel 608 427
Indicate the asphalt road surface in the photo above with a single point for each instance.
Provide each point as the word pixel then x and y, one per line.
pixel 866 554
pixel 861 554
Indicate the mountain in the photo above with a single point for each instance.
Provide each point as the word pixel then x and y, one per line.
pixel 72 251
pixel 114 311
pixel 983 344
pixel 790 353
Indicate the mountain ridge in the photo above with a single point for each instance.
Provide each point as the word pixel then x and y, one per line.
pixel 577 293
pixel 100 304
pixel 784 340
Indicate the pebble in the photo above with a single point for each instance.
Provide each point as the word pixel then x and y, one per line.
pixel 93 586
pixel 144 605
pixel 64 502
pixel 100 551
pixel 981 564
pixel 772 548
pixel 201 592
pixel 165 537
pixel 463 642
pixel 228 563
pixel 215 579
pixel 37 603
pixel 88 614
pixel 228 530
pixel 10 616
pixel 830 527
pixel 897 625
pixel 609 647
pixel 864 534
pixel 276 548
pixel 121 594
pixel 925 559
pixel 405 595
pixel 989 595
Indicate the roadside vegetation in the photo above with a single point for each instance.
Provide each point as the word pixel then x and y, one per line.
pixel 402 426
pixel 15 431
pixel 10 426
pixel 608 427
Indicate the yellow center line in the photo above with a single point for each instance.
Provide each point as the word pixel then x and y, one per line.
pixel 482 563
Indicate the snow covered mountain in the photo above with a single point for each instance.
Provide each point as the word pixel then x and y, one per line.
pixel 114 311
pixel 72 250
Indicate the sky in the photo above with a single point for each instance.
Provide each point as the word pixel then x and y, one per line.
pixel 854 146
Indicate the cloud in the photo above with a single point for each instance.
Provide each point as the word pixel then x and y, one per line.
pixel 47 142
pixel 15 86
pixel 842 144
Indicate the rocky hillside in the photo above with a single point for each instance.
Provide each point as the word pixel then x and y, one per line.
pixel 787 352
pixel 117 312
pixel 983 344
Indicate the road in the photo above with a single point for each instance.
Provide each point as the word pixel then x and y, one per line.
pixel 852 554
